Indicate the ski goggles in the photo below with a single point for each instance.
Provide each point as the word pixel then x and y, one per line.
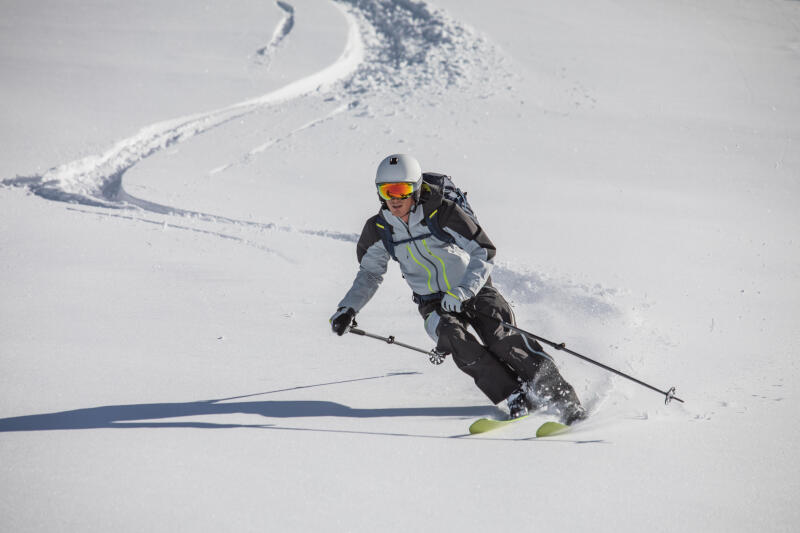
pixel 399 190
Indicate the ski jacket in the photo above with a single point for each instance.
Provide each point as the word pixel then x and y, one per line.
pixel 430 266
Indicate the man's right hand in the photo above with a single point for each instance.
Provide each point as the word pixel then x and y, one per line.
pixel 341 320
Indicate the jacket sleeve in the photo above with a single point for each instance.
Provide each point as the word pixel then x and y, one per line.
pixel 373 260
pixel 471 238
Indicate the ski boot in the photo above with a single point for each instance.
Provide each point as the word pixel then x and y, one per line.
pixel 551 389
pixel 532 400
pixel 516 404
pixel 572 412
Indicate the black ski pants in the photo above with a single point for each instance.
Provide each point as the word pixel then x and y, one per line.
pixel 502 359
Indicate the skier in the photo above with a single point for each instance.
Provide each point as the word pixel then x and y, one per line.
pixel 447 259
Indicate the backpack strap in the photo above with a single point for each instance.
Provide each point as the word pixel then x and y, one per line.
pixel 385 231
pixel 417 238
pixel 432 221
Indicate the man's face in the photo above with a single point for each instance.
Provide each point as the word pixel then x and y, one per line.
pixel 400 207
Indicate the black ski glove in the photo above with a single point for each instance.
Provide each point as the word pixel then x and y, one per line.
pixel 341 320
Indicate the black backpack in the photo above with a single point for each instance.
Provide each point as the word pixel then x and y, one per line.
pixel 449 191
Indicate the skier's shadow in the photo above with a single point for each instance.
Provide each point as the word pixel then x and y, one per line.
pixel 152 415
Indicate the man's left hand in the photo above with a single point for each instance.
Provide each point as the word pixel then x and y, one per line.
pixel 451 303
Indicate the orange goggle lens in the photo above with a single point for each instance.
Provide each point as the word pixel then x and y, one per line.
pixel 395 190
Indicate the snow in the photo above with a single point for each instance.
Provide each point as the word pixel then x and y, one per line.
pixel 182 188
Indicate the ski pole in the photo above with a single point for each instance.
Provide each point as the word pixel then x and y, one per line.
pixel 668 395
pixel 434 356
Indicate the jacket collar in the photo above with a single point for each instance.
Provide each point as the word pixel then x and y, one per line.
pixel 416 215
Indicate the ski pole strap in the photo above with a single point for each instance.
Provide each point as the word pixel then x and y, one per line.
pixel 668 395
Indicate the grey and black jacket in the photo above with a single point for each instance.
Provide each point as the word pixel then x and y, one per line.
pixel 430 266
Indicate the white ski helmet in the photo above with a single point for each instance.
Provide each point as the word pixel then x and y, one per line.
pixel 400 168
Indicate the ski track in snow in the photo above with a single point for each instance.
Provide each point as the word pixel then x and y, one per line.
pixel 272 142
pixel 96 180
pixel 265 54
pixel 402 48
pixel 430 49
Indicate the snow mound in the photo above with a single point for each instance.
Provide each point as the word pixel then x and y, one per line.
pixel 413 46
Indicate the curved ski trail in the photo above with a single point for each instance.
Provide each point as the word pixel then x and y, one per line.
pixel 401 49
pixel 96 180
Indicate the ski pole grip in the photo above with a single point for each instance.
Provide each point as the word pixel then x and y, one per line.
pixel 357 331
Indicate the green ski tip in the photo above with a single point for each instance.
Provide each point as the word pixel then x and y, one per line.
pixel 551 428
pixel 487 424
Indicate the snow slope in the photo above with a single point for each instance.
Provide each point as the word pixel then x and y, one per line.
pixel 182 190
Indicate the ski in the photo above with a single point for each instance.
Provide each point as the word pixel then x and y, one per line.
pixel 551 428
pixel 548 429
pixel 488 424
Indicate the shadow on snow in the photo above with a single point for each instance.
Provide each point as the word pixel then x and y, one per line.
pixel 146 415
pixel 153 415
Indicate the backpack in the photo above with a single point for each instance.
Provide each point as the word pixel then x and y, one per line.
pixel 450 192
